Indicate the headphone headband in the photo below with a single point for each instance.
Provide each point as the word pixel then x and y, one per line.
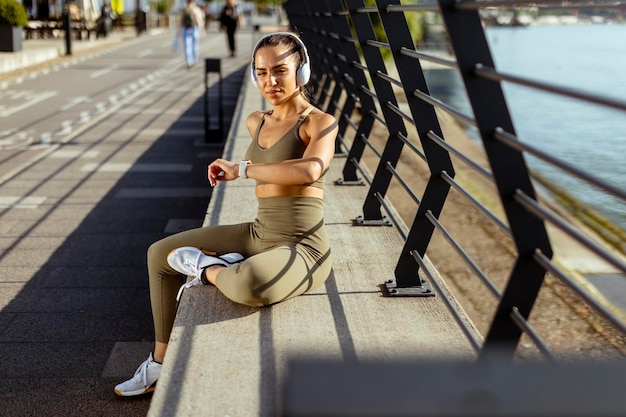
pixel 304 71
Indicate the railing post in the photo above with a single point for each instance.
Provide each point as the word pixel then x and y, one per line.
pixel 322 32
pixel 438 159
pixel 321 37
pixel 372 214
pixel 342 84
pixel 351 78
pixel 510 174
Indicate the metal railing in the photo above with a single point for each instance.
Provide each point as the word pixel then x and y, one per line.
pixel 371 81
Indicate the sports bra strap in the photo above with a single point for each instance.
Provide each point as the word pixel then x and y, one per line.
pixel 306 112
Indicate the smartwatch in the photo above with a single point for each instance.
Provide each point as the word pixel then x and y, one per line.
pixel 242 169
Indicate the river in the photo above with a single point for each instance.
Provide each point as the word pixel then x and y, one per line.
pixel 590 58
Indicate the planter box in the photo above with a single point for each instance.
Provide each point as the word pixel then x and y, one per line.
pixel 10 38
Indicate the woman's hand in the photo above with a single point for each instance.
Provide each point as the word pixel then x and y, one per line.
pixel 222 170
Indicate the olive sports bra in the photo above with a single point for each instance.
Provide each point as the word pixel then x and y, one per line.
pixel 290 146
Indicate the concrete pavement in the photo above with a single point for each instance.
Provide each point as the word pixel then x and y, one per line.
pixel 75 315
pixel 38 51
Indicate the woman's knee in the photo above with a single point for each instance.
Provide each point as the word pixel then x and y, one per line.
pixel 257 289
pixel 245 289
pixel 157 250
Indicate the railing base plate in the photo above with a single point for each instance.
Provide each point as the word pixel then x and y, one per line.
pixel 360 221
pixel 391 290
pixel 341 181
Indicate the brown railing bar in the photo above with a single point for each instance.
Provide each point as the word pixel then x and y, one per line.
pixel 422 7
pixel 360 66
pixel 495 219
pixel 445 107
pixel 466 258
pixel 367 91
pixel 534 207
pixel 545 262
pixel 388 78
pixel 367 9
pixel 350 122
pixel 400 113
pixel 392 215
pixel 411 146
pixel 378 44
pixel 524 326
pixel 470 162
pixel 513 142
pixel 477 5
pixel 476 344
pixel 369 145
pixel 378 117
pixel 412 53
pixel 403 183
pixel 492 74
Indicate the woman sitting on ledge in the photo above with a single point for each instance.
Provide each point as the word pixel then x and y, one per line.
pixel 285 251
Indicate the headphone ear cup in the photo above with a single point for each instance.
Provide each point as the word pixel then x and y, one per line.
pixel 253 74
pixel 303 74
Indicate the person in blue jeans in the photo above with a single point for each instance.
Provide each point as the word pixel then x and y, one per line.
pixel 192 29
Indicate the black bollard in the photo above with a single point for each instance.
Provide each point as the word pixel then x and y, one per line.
pixel 67 24
pixel 213 132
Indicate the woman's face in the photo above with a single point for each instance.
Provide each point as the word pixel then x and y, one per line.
pixel 276 73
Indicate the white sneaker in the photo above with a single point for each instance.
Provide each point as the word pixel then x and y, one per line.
pixel 191 261
pixel 144 380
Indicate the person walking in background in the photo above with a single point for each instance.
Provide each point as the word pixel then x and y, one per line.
pixel 229 21
pixel 105 21
pixel 192 28
pixel 285 251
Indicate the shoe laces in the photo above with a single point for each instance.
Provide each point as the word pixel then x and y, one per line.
pixel 186 285
pixel 194 281
pixel 198 278
pixel 142 372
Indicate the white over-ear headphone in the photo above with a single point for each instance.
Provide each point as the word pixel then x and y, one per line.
pixel 302 74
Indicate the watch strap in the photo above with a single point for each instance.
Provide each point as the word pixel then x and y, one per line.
pixel 242 169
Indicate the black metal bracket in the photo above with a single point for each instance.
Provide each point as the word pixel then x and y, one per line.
pixel 213 132
pixel 341 181
pixel 390 289
pixel 360 221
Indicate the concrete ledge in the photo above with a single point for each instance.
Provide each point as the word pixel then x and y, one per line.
pixel 10 61
pixel 38 51
pixel 226 359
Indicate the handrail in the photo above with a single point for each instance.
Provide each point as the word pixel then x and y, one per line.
pixel 386 82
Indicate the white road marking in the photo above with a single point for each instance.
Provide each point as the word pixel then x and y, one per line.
pixel 26 99
pixel 74 102
pixel 74 153
pixel 103 71
pixel 21 202
pixel 134 167
pixel 162 192
pixel 144 53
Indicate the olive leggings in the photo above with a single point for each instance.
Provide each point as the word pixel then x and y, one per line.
pixel 286 253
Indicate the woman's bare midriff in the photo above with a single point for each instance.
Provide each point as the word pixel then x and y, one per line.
pixel 277 190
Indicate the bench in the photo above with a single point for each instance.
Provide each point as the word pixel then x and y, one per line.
pixel 43 29
pixel 226 359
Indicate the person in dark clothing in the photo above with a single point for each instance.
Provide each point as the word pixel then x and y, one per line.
pixel 229 21
pixel 105 21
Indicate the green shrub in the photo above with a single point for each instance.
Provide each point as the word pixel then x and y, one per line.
pixel 12 13
pixel 162 7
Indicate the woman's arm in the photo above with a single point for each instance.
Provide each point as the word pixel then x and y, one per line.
pixel 223 170
pixel 320 131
